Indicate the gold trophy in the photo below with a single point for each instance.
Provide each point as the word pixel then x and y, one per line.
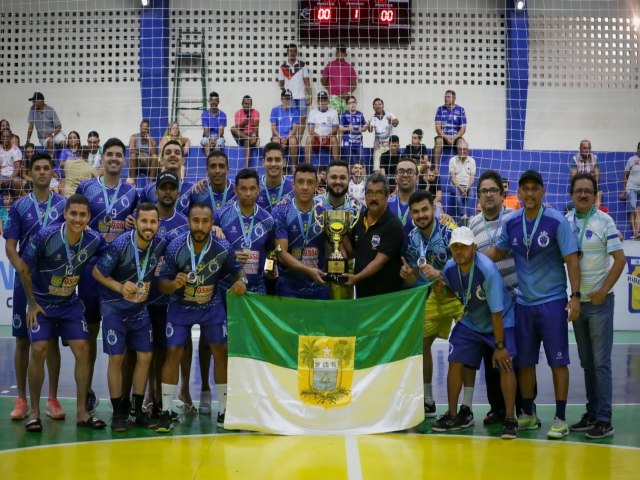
pixel 270 269
pixel 337 224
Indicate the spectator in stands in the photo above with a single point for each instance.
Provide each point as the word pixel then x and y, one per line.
pixel 293 75
pixel 95 151
pixel 416 149
pixel 245 128
pixel 10 164
pixel 462 173
pixel 321 188
pixel 7 201
pixel 340 79
pixel 630 191
pixel 389 159
pixel 358 180
pixel 25 169
pixel 15 140
pixel 285 123
pixel 47 123
pixel 586 162
pixel 382 124
pixel 75 172
pixel 72 150
pixel 352 124
pixel 509 201
pixel 323 128
pixel 213 122
pixel 143 154
pixel 173 133
pixel 451 125
pixel 430 181
pixel 4 125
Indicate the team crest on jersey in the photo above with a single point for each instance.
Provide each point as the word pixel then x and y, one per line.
pixel 35 328
pixel 317 229
pixel 169 330
pixel 17 321
pixel 543 239
pixel 112 338
pixel 125 202
pixel 588 234
pixel 214 266
pixel 53 214
pixel 480 295
pixel 375 242
pixel 442 256
pixel 184 202
pixel 258 230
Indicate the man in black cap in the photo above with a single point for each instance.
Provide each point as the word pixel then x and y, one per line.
pixel 47 123
pixel 323 124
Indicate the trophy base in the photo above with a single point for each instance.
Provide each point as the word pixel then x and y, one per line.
pixel 340 292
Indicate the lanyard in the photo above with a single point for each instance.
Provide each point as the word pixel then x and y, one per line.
pixel 141 270
pixel 528 240
pixel 212 195
pixel 581 231
pixel 466 295
pixel 403 218
pixel 329 206
pixel 195 267
pixel 263 184
pixel 63 232
pixel 492 238
pixel 42 216
pixel 109 202
pixel 422 260
pixel 246 231
pixel 305 229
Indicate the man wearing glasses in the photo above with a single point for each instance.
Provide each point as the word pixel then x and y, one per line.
pixel 406 180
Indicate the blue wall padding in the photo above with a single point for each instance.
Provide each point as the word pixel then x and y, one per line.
pixel 517 75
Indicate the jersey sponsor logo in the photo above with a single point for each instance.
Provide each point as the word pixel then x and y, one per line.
pixel 202 294
pixel 543 239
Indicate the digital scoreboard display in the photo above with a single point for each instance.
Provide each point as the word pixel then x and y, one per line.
pixel 355 22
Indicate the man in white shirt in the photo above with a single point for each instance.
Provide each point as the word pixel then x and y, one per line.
pixel 462 173
pixel 382 124
pixel 323 128
pixel 293 75
pixel 10 163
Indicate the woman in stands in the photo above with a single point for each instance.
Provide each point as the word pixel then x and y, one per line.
pixel 173 133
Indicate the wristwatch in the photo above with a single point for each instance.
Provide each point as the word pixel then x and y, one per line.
pixel 499 345
pixel 244 280
pixel 576 294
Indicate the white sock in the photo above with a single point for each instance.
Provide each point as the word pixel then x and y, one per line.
pixel 428 393
pixel 467 398
pixel 168 391
pixel 221 390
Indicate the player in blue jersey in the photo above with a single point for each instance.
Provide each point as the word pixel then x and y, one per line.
pixel 285 122
pixel 194 264
pixel 274 186
pixel 487 319
pixel 426 251
pixel 125 272
pixel 406 181
pixel 301 240
pixel 249 229
pixel 50 271
pixel 28 215
pixel 216 190
pixel 172 161
pixel 542 242
pixel 352 124
pixel 111 201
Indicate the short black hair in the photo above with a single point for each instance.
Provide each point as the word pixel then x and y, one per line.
pixel 93 133
pixel 114 142
pixel 338 163
pixel 172 142
pixel 305 168
pixel 584 176
pixel 146 207
pixel 214 95
pixel 419 196
pixel 205 205
pixel 273 146
pixel 216 152
pixel 76 199
pixel 394 139
pixel 41 156
pixel 491 175
pixel 246 173
pixel 418 132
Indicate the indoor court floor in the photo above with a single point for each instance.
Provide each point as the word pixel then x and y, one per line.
pixel 196 449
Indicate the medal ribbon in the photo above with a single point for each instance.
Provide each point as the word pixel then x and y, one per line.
pixel 63 233
pixel 40 214
pixel 263 185
pixel 585 223
pixel 212 195
pixel 192 253
pixel 141 270
pixel 492 238
pixel 305 231
pixel 246 233
pixel 403 218
pixel 466 295
pixel 528 240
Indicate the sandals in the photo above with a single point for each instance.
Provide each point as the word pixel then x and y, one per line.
pixel 34 425
pixel 92 423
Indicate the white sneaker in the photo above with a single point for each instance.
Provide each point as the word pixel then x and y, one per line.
pixel 205 403
pixel 559 429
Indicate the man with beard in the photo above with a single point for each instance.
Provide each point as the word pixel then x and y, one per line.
pixel 194 264
pixel 216 190
pixel 406 180
pixel 426 251
pixel 274 186
pixel 125 272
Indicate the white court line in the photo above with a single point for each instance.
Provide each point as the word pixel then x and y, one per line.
pixel 354 469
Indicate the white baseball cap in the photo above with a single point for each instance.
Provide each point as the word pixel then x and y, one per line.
pixel 462 235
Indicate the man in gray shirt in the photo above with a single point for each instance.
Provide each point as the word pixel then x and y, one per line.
pixel 47 123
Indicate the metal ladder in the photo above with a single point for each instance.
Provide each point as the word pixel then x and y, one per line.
pixel 190 64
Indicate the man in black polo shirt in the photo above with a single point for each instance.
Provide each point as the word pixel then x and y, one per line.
pixel 376 243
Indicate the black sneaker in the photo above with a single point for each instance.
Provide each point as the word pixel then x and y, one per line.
pixel 143 420
pixel 585 424
pixel 92 402
pixel 430 410
pixel 220 420
pixel 465 417
pixel 600 430
pixel 494 418
pixel 175 417
pixel 165 424
pixel 119 423
pixel 446 423
pixel 510 429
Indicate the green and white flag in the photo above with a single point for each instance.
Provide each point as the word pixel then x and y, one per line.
pixel 313 366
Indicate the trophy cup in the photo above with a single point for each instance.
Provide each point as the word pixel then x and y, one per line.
pixel 337 224
pixel 270 269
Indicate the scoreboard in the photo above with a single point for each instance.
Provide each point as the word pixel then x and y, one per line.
pixel 355 22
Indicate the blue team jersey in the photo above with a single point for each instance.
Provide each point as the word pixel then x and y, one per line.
pixel 451 119
pixel 118 261
pixel 487 294
pixel 354 137
pixel 213 122
pixel 259 232
pixel 269 197
pixel 218 262
pixel 170 229
pixel 307 243
pixel 435 249
pixel 401 210
pixel 184 197
pixel 217 201
pixel 109 222
pixel 27 217
pixel 284 119
pixel 540 268
pixel 54 279
pixel 350 204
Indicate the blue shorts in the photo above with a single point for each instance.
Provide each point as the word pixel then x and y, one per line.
pixel 132 333
pixel 158 317
pixel 19 310
pixel 88 293
pixel 467 346
pixel 546 323
pixel 66 321
pixel 212 321
pixel 301 105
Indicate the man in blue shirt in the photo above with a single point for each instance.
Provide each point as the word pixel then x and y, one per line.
pixel 125 272
pixel 487 319
pixel 541 242
pixel 216 190
pixel 274 186
pixel 50 271
pixel 285 122
pixel 451 125
pixel 352 124
pixel 213 122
